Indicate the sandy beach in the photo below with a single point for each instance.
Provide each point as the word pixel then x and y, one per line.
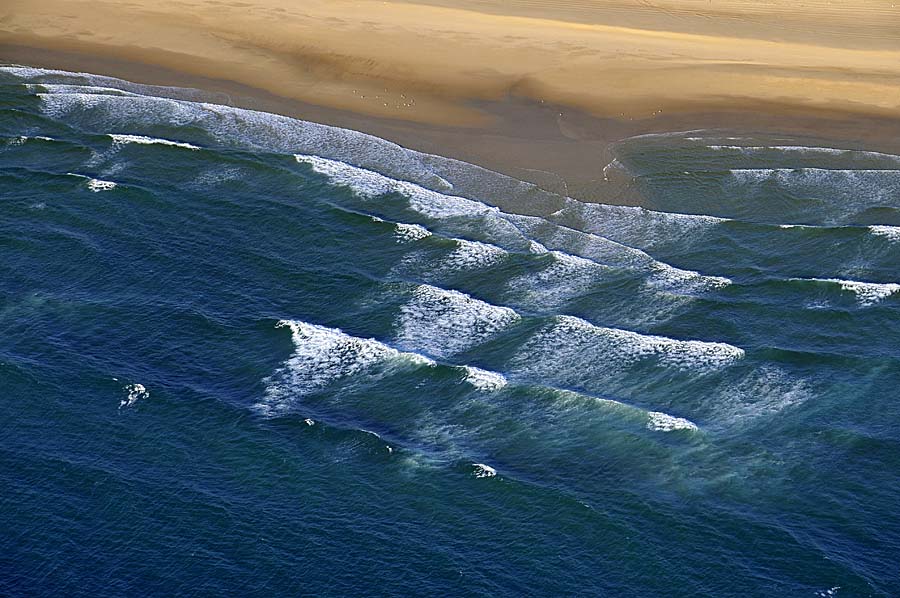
pixel 519 85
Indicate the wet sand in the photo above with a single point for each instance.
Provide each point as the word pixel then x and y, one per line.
pixel 534 88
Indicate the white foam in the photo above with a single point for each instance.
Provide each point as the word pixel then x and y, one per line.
pixel 322 356
pixel 90 83
pixel 142 140
pixel 753 175
pixel 28 72
pixel 358 153
pixel 565 278
pixel 536 248
pixel 472 255
pixel 64 88
pixel 663 422
pixel 804 149
pixel 408 233
pixel 483 471
pixel 765 391
pixel 483 379
pixel 812 173
pixel 634 225
pixel 371 184
pixel 96 185
pixel 846 188
pixel 846 191
pixel 571 349
pixel 607 252
pixel 867 293
pixel 441 322
pixel 134 393
pixel 666 277
pixel 891 233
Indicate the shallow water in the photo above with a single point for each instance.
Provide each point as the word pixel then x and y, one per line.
pixel 244 354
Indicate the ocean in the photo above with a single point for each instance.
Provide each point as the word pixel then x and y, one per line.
pixel 248 355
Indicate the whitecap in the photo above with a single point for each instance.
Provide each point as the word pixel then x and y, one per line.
pixel 65 88
pixel 408 233
pixel 119 139
pixel 443 322
pixel 371 184
pixel 574 351
pixel 867 293
pixel 97 185
pixel 472 255
pixel 666 277
pixel 536 248
pixel 564 279
pixel 134 393
pixel 483 379
pixel 322 356
pixel 891 233
pixel 608 252
pixel 631 224
pixel 480 470
pixel 765 391
pixel 663 422
pixel 805 150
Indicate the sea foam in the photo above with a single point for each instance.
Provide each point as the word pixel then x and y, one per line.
pixel 322 356
pixel 480 470
pixel 443 322
pixel 97 185
pixel 133 394
pixel 409 233
pixel 570 349
pixel 805 150
pixel 343 155
pixel 867 293
pixel 663 422
pixel 483 379
pixel 891 233
pixel 142 140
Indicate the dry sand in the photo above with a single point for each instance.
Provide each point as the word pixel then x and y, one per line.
pixel 513 84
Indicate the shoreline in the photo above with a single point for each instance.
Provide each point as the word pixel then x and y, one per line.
pixel 560 143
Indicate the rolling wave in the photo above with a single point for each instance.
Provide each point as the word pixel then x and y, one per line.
pixel 515 229
pixel 867 293
pixel 440 322
pixel 327 358
pixel 323 356
pixel 806 151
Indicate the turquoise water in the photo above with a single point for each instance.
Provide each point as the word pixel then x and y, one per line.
pixel 248 355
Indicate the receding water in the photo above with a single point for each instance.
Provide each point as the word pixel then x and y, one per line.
pixel 248 355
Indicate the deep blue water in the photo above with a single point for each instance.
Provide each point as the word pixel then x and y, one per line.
pixel 246 355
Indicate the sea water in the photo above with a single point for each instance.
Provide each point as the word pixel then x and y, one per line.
pixel 249 355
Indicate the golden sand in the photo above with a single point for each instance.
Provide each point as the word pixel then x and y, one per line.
pixel 428 61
